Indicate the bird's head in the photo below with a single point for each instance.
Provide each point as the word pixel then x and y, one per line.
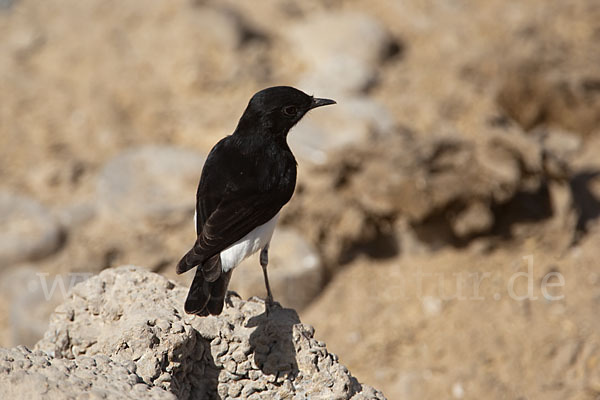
pixel 277 109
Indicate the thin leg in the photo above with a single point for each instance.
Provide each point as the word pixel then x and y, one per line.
pixel 264 261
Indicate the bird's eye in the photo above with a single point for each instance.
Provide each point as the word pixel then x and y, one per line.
pixel 290 111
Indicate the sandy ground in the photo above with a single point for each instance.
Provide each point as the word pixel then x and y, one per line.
pixel 514 323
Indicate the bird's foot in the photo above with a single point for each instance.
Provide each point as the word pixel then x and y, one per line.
pixel 269 304
pixel 229 295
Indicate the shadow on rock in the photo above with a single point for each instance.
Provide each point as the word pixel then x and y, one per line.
pixel 533 205
pixel 272 342
pixel 197 377
pixel 585 203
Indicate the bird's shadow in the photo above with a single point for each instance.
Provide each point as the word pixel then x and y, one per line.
pixel 196 376
pixel 273 342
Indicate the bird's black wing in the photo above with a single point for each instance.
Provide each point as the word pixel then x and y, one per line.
pixel 214 180
pixel 232 220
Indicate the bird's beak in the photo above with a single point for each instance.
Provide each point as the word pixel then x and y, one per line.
pixel 321 102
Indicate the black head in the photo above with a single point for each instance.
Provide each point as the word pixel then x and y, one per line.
pixel 276 110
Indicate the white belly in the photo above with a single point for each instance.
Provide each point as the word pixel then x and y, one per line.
pixel 248 245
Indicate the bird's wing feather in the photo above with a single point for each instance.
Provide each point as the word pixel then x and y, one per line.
pixel 213 183
pixel 235 218
pixel 232 220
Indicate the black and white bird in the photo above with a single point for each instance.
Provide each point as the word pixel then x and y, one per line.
pixel 246 180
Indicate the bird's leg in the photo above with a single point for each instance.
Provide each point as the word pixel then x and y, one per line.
pixel 264 261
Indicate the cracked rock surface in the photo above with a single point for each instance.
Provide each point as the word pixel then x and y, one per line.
pixel 124 331
pixel 36 375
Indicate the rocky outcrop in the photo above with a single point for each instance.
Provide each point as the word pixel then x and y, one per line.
pixel 404 191
pixel 124 331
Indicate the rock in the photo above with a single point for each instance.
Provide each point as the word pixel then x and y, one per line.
pixel 564 214
pixel 27 230
pixel 133 321
pixel 36 375
pixel 295 271
pixel 560 148
pixel 538 93
pixel 333 67
pixel 130 332
pixel 559 142
pixel 475 218
pixel 151 184
pixel 444 187
pixel 6 4
pixel 73 216
pixel 350 122
pixel 432 306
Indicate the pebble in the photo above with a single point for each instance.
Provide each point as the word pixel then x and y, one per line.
pixel 150 184
pixel 352 121
pixel 239 356
pixel 230 366
pixel 295 272
pixel 321 44
pixel 475 218
pixel 235 389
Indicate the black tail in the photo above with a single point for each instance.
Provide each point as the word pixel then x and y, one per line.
pixel 208 289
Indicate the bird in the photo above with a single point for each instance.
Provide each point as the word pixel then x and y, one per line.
pixel 246 179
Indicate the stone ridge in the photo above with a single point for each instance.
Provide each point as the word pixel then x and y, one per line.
pixel 124 331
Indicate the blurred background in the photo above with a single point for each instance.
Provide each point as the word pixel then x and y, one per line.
pixel 444 234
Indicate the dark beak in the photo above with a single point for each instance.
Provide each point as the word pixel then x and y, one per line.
pixel 321 102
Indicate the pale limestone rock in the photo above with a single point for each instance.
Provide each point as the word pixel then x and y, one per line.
pixel 124 333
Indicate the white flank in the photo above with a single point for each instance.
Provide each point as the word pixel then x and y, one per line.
pixel 256 240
